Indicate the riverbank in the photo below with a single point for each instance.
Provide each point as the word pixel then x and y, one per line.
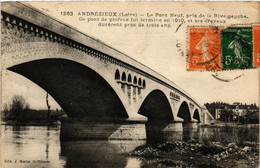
pixel 222 145
pixel 199 154
pixel 229 124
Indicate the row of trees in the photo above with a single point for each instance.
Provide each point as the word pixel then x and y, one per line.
pixel 19 110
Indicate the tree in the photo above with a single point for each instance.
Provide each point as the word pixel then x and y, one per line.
pixel 48 106
pixel 6 110
pixel 18 107
pixel 226 114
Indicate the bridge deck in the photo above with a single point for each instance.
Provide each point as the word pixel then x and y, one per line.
pixel 48 23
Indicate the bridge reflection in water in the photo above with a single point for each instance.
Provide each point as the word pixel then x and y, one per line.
pixel 43 143
pixel 113 153
pixel 100 153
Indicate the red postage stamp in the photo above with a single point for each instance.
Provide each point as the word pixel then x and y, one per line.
pixel 256 43
pixel 205 48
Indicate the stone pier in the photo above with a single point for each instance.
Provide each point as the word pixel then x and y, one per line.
pixel 127 130
pixel 193 124
pixel 123 130
pixel 173 132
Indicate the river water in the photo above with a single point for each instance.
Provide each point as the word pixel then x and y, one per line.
pixel 40 146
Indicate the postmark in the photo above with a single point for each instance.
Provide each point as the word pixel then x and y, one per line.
pixel 222 79
pixel 204 48
pixel 237 48
pixel 256 43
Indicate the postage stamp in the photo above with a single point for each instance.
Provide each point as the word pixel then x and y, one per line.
pixel 256 43
pixel 205 48
pixel 237 48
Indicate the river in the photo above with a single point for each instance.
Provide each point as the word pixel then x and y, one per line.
pixel 40 146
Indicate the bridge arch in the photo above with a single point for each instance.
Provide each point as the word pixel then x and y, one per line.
pixel 129 78
pixel 144 84
pixel 196 115
pixel 135 80
pixel 123 76
pixel 184 113
pixel 92 97
pixel 157 109
pixel 139 82
pixel 117 75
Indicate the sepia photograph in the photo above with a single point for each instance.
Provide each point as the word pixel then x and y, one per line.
pixel 113 84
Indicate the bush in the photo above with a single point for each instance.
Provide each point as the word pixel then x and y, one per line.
pixel 17 108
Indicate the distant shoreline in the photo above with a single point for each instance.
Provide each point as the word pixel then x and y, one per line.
pixel 219 124
pixel 31 123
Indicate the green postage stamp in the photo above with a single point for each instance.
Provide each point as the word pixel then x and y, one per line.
pixel 237 48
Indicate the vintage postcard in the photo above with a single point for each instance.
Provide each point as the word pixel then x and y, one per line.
pixel 129 84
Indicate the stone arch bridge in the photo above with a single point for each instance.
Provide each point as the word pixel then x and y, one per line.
pixel 105 93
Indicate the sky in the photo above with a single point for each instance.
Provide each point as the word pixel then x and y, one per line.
pixel 153 47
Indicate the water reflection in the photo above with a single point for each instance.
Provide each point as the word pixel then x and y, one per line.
pixel 248 133
pixel 30 146
pixel 185 135
pixel 41 147
pixel 133 162
pixel 189 134
pixel 99 153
